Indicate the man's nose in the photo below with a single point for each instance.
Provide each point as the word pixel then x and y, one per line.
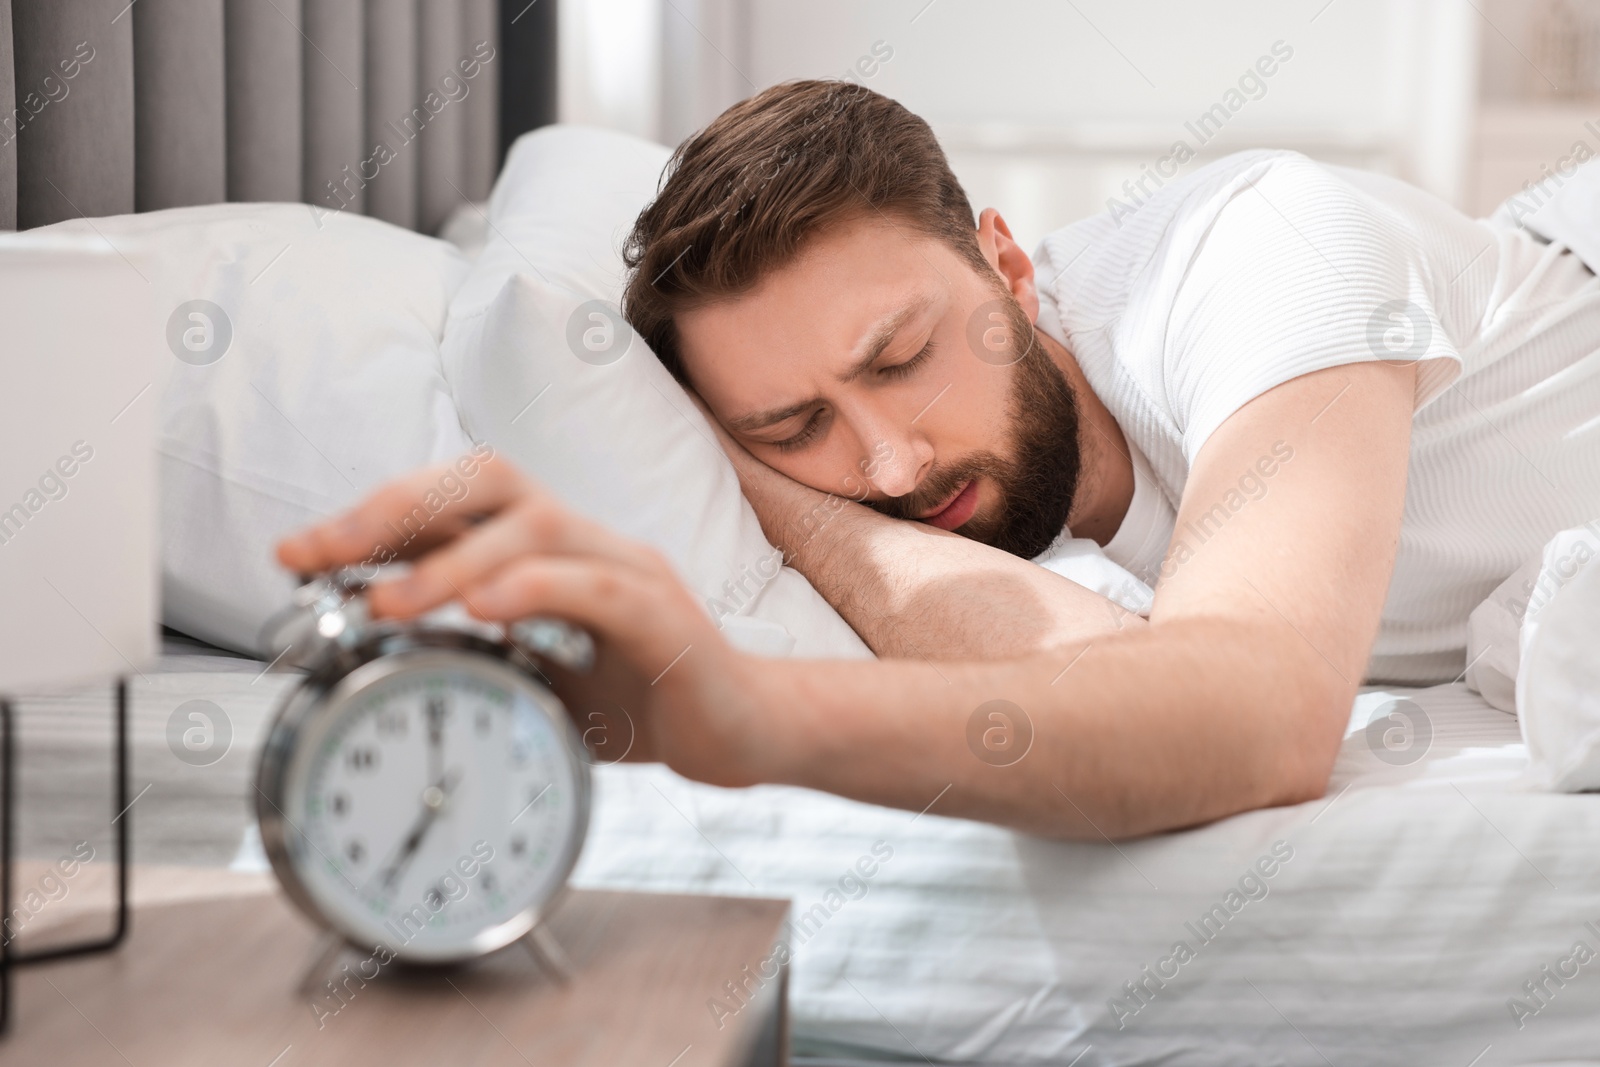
pixel 895 462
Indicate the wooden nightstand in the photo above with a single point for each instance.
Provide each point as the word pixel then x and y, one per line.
pixel 214 980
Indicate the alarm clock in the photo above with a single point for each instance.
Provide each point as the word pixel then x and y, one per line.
pixel 421 790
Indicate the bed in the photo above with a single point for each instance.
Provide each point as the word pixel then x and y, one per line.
pixel 1430 908
pixel 1415 901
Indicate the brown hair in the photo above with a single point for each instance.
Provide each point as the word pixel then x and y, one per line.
pixel 741 197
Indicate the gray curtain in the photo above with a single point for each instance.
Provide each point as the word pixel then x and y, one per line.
pixel 387 107
pixel 180 143
pixel 440 157
pixel 264 98
pixel 334 110
pixel 481 136
pixel 73 65
pixel 392 78
pixel 8 132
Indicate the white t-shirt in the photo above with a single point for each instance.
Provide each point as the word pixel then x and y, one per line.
pixel 1264 266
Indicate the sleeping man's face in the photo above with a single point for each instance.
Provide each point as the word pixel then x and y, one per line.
pixel 882 366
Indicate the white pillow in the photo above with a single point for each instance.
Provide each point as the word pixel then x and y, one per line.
pixel 560 210
pixel 1557 683
pixel 328 385
pixel 610 431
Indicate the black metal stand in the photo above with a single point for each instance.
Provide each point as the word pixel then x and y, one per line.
pixel 120 820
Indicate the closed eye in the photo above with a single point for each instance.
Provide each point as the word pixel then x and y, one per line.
pixel 807 433
pixel 902 370
pixel 818 420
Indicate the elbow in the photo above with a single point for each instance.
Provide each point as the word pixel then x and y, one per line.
pixel 1243 723
pixel 1308 747
pixel 1291 736
pixel 1304 779
pixel 1299 709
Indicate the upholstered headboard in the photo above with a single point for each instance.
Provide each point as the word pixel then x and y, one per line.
pixel 386 107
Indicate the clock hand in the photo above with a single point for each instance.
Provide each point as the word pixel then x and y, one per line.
pixel 435 712
pixel 433 802
pixel 432 797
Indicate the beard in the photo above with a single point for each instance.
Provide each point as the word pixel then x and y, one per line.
pixel 1040 479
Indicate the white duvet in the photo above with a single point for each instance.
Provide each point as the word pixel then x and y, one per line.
pixel 1402 917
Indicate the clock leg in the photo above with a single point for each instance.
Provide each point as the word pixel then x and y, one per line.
pixel 328 948
pixel 548 953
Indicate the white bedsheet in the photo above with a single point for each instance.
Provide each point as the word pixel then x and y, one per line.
pixel 1418 900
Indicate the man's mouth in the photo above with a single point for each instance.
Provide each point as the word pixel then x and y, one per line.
pixel 955 511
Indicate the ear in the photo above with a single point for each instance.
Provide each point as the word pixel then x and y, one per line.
pixel 1009 260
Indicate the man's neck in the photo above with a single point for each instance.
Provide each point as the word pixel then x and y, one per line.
pixel 1105 479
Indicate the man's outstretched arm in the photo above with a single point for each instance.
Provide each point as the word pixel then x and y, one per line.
pixel 1235 696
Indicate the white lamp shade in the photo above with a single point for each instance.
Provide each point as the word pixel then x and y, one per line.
pixel 81 341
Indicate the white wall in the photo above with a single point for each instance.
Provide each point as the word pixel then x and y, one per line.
pixel 1047 106
pixel 610 64
pixel 1049 61
pixel 1541 96
pixel 660 69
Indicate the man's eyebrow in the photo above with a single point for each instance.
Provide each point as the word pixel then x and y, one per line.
pixel 881 334
pixel 760 419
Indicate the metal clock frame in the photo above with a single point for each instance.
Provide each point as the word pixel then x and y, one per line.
pixel 301 723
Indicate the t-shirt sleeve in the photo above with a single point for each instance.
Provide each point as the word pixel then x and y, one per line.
pixel 1298 271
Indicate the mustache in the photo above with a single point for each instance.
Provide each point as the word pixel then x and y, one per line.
pixel 939 486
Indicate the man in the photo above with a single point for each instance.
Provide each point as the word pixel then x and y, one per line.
pixel 1259 391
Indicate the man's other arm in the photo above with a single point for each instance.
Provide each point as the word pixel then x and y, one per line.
pixel 913 591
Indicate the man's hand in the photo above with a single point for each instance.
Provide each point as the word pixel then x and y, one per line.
pixel 508 550
pixel 775 496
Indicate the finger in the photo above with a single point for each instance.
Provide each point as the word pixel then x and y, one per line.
pixel 536 525
pixel 649 618
pixel 408 543
pixel 406 516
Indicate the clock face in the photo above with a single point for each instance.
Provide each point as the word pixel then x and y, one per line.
pixel 433 803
